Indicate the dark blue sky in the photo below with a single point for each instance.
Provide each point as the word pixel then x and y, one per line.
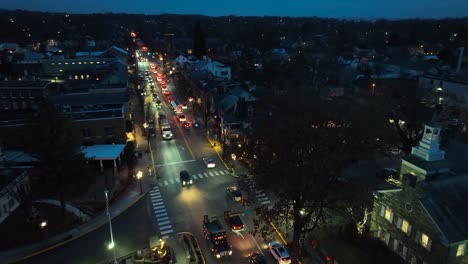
pixel 323 8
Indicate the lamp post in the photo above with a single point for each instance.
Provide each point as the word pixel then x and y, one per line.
pixel 145 125
pixel 111 245
pixel 191 103
pixel 139 177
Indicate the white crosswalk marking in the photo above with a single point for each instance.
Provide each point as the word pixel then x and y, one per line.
pixel 165 227
pixel 227 172
pixel 165 183
pixel 160 211
pixel 160 184
pixel 200 175
pixel 222 172
pixel 164 218
pixel 161 215
pixel 172 181
pixel 194 177
pixel 261 195
pixel 265 202
pixel 157 207
pixel 163 223
pixel 211 174
pixel 177 180
pixel 217 174
pixel 166 232
pixel 206 174
pixel 158 203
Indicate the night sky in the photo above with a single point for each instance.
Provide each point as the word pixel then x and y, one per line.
pixel 392 9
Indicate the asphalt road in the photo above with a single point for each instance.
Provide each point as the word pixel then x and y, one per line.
pixel 131 231
pixel 169 208
pixel 184 207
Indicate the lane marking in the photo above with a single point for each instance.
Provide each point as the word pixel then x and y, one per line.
pixel 200 175
pixel 222 172
pixel 211 174
pixel 177 180
pixel 217 174
pixel 173 163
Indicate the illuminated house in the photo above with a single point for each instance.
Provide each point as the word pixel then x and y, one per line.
pixel 423 217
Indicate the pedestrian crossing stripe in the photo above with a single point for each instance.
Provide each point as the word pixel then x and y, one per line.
pixel 172 181
pixel 160 184
pixel 222 172
pixel 156 199
pixel 211 174
pixel 177 180
pixel 156 207
pixel 206 174
pixel 165 183
pixel 163 222
pixel 200 175
pixel 265 202
pixel 216 173
pixel 164 218
pixel 161 214
pixel 158 203
pixel 194 177
pixel 160 211
pixel 165 227
pixel 166 232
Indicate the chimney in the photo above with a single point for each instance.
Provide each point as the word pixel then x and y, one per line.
pixel 460 58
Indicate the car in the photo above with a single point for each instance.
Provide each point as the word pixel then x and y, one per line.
pixel 167 92
pixel 186 125
pixel 234 221
pixel 159 78
pixel 185 178
pixel 279 252
pixel 209 163
pixel 256 258
pixel 163 82
pixel 163 86
pixel 234 193
pixel 184 107
pixel 181 118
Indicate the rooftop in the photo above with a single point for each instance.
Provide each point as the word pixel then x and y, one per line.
pixel 103 152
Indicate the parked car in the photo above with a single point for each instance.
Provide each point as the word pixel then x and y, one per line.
pixel 209 163
pixel 234 193
pixel 279 252
pixel 256 258
pixel 185 178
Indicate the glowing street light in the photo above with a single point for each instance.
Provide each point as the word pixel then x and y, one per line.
pixel 111 244
pixel 139 177
pixel 43 224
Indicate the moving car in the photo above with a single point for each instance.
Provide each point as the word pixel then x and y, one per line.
pixel 185 178
pixel 181 118
pixel 256 258
pixel 167 92
pixel 234 221
pixel 186 125
pixel 209 163
pixel 184 106
pixel 279 252
pixel 234 193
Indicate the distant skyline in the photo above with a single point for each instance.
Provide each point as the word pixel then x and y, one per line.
pixel 390 9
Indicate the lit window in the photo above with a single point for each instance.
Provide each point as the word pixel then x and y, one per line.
pixel 87 76
pixel 82 77
pixel 98 62
pixel 53 63
pixel 85 62
pixel 405 226
pixel 426 241
pixel 461 250
pixel 388 214
pixel 59 63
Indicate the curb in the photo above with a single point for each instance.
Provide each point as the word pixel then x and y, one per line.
pixel 77 236
pixel 212 145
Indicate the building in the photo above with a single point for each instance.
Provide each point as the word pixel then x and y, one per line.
pixel 422 217
pixel 22 95
pixel 14 189
pixel 455 85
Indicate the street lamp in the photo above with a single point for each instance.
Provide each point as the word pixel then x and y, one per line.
pixel 191 103
pixel 43 224
pixel 111 245
pixel 145 125
pixel 139 176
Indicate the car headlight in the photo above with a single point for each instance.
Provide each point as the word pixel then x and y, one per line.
pixel 230 252
pixel 183 182
pixel 218 256
pixel 191 181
